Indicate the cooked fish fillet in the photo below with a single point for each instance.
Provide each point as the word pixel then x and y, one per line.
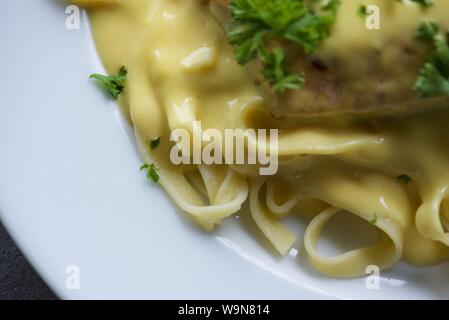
pixel 362 70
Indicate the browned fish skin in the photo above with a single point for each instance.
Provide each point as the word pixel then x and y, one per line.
pixel 332 87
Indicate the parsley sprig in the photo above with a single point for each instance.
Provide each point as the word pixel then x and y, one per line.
pixel 424 3
pixel 404 178
pixel 258 24
pixel 427 31
pixel 151 171
pixel 113 84
pixel 433 78
pixel 155 143
pixel 374 219
pixel 362 11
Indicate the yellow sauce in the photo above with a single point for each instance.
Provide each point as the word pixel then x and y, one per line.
pixel 181 68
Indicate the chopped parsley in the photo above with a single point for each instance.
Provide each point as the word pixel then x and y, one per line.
pixel 404 178
pixel 151 171
pixel 433 78
pixel 362 12
pixel 259 25
pixel 427 31
pixel 112 84
pixel 275 73
pixel 155 143
pixel 374 219
pixel 424 3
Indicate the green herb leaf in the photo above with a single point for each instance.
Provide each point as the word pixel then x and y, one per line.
pixel 427 31
pixel 276 74
pixel 374 219
pixel 155 143
pixel 433 78
pixel 362 11
pixel 404 178
pixel 431 83
pixel 151 171
pixel 259 23
pixel 424 3
pixel 113 84
pixel 441 56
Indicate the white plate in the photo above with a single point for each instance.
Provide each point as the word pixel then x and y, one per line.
pixel 71 193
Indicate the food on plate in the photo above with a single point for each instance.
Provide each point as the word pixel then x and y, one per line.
pixel 360 112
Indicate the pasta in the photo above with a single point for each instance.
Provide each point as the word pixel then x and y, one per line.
pixel 181 70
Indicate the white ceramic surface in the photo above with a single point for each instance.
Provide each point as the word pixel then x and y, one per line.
pixel 71 192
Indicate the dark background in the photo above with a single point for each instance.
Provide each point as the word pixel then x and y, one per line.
pixel 18 280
